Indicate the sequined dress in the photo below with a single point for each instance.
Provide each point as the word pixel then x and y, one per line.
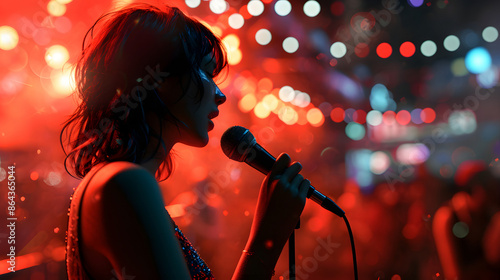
pixel 74 265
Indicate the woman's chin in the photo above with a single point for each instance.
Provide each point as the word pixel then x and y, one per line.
pixel 199 141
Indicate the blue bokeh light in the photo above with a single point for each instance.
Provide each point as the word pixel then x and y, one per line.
pixel 478 60
pixel 381 99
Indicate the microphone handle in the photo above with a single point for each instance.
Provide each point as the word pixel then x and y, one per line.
pixel 263 161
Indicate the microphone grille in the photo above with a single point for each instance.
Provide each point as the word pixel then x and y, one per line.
pixel 231 140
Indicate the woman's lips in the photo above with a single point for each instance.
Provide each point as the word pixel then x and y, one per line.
pixel 211 125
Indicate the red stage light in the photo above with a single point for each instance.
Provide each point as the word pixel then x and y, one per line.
pixel 362 50
pixel 428 115
pixel 384 50
pixel 337 115
pixel 337 8
pixel 403 117
pixel 389 117
pixel 359 116
pixel 407 49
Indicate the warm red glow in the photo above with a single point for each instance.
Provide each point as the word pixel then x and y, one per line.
pixel 428 115
pixel 315 117
pixel 265 84
pixel 407 49
pixel 362 50
pixel 244 12
pixel 271 65
pixel 403 117
pixel 34 176
pixel 337 8
pixel 359 116
pixel 337 114
pixel 389 117
pixel 384 50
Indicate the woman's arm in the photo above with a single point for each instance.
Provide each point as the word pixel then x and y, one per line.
pixel 139 236
pixel 281 200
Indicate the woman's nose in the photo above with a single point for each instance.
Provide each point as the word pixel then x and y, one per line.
pixel 219 97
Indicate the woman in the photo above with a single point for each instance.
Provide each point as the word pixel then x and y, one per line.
pixel 145 81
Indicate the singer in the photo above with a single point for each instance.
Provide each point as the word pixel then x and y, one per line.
pixel 145 83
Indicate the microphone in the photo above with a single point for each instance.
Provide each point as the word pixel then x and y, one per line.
pixel 239 144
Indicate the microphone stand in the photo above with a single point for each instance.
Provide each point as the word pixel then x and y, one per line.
pixel 291 252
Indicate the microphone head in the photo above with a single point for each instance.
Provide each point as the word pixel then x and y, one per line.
pixel 236 141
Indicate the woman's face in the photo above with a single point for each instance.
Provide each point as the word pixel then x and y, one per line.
pixel 194 115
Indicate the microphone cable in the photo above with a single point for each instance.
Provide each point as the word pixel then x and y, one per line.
pixel 351 237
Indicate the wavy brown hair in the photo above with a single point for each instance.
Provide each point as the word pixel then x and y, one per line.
pixel 125 57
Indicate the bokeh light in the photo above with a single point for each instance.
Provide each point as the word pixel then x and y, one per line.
pixel 469 38
pixel 384 50
pixel 337 8
pixel 389 118
pixel 374 118
pixel 411 154
pixel 270 102
pixel 488 78
pixel 218 6
pixel 55 8
pixel 451 43
pixel 460 229
pixel 312 8
pixel 490 34
pixel 8 38
pixel 56 56
pixel 63 24
pixel 232 43
pixel 290 45
pixel 415 116
pixel 255 7
pixel 478 60
pixel 282 7
pixel 315 117
pixel 263 37
pixel 355 131
pixel 193 3
pixel 380 98
pixel 349 114
pixel 428 48
pixel 287 93
pixel 301 99
pixel 63 82
pixel 379 162
pixel 362 50
pixel 415 3
pixel 458 67
pixel 234 57
pixel 338 49
pixel 337 115
pixel 407 49
pixel 288 115
pixel 34 176
pixel 428 115
pixel 247 103
pixel 261 111
pixel 236 21
pixel 403 117
pixel 462 122
pixel 359 116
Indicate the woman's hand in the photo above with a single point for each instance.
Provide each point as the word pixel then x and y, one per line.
pixel 282 198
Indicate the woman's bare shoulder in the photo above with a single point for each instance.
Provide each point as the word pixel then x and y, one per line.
pixel 128 223
pixel 122 184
